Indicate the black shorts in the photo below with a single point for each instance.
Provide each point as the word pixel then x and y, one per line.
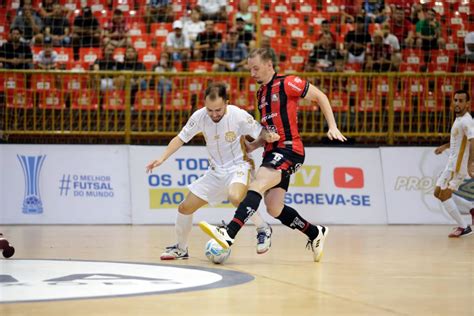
pixel 285 160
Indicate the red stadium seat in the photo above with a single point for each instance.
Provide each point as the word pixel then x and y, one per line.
pixel 149 57
pixel 141 42
pixel 368 101
pixel 178 100
pixel 17 95
pixel 147 100
pixel 89 54
pixel 41 82
pixel 339 101
pixel 85 99
pixel 413 56
pixel 51 99
pixel 200 66
pixel 161 30
pixel 114 100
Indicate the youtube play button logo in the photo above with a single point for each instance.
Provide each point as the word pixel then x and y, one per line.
pixel 349 177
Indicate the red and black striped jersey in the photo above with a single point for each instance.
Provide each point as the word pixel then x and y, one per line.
pixel 277 103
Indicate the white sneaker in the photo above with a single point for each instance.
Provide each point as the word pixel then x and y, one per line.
pixel 174 253
pixel 264 240
pixel 219 234
pixel 317 244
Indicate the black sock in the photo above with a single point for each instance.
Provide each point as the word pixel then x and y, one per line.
pixel 245 210
pixel 292 219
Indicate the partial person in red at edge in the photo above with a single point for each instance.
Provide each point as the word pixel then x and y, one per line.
pixel 277 102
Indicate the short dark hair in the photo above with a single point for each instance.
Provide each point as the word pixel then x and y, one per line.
pixel 266 54
pixel 462 91
pixel 216 90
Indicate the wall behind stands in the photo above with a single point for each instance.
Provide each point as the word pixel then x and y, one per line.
pixel 78 184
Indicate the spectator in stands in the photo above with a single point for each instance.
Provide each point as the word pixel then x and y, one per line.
pixel 247 16
pixel 392 40
pixel 213 9
pixel 245 37
pixel 158 11
pixel 469 47
pixel 86 31
pixel 47 58
pixel 378 57
pixel 324 57
pixel 325 30
pixel 402 28
pixel 428 32
pixel 356 42
pixel 232 55
pixel 46 9
pixel 116 30
pixel 110 64
pixel 30 24
pixel 15 54
pixel 177 44
pixel 131 63
pixel 194 26
pixel 374 11
pixel 56 26
pixel 164 84
pixel 207 43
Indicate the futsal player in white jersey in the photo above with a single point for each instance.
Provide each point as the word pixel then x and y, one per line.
pixel 460 161
pixel 224 128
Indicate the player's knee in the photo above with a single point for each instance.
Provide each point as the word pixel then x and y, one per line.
pixel 235 199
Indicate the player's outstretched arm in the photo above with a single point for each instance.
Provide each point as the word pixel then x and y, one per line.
pixel 314 94
pixel 172 147
pixel 441 148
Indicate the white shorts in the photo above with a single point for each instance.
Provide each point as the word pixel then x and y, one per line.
pixel 450 180
pixel 213 186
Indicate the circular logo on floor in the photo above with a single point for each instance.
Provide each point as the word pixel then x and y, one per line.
pixel 43 280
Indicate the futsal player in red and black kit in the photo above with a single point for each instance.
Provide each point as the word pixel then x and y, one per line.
pixel 277 101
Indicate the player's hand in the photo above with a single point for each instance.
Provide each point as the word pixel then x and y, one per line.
pixel 153 164
pixel 271 137
pixel 439 150
pixel 334 134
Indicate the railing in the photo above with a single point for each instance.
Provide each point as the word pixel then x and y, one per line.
pixel 387 106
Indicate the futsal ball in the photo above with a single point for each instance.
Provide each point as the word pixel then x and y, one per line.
pixel 215 253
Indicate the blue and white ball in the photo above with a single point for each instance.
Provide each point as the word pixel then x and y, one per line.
pixel 215 253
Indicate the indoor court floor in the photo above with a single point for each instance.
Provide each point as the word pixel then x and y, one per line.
pixel 365 270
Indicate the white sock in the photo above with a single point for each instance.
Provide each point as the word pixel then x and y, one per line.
pixel 183 226
pixel 463 205
pixel 452 209
pixel 258 221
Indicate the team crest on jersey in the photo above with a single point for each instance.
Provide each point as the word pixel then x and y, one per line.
pixel 230 137
pixel 275 98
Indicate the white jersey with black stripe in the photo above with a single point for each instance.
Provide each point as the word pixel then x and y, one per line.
pixel 461 131
pixel 224 139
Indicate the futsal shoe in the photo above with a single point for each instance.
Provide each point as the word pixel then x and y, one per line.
pixel 174 253
pixel 472 215
pixel 264 239
pixel 460 232
pixel 217 233
pixel 316 245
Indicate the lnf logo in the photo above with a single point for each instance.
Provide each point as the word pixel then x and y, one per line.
pixel 31 166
